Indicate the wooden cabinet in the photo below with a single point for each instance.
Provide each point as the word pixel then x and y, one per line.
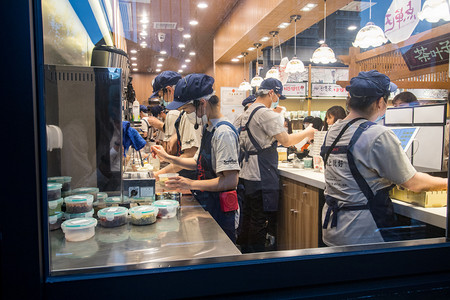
pixel 298 216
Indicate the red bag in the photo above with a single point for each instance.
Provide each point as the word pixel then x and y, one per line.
pixel 228 201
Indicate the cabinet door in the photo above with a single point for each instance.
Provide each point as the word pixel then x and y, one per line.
pixel 308 218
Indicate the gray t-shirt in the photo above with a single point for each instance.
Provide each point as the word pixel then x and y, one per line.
pixel 382 162
pixel 224 152
pixel 264 125
pixel 169 123
pixel 189 136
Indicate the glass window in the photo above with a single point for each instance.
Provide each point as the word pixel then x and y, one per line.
pixel 109 205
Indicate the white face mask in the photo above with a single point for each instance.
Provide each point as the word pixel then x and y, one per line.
pixel 192 117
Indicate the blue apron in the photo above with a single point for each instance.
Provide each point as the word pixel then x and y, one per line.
pixel 268 169
pixel 185 173
pixel 210 200
pixel 379 204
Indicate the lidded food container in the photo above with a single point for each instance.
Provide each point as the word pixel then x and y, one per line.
pixel 53 191
pixel 80 203
pixel 101 197
pixel 55 221
pixel 143 215
pixel 54 206
pixel 113 201
pixel 86 190
pixel 166 208
pixel 79 229
pixel 65 181
pixel 88 214
pixel 112 216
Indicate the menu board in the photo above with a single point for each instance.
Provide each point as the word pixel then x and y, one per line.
pixel 297 89
pixel 405 135
pixel 327 90
pixel 428 53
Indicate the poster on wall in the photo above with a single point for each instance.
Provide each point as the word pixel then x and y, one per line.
pixel 401 19
pixel 231 102
pixel 329 75
pixel 295 89
pixel 327 90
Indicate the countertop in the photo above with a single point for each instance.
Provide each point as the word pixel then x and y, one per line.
pixel 434 216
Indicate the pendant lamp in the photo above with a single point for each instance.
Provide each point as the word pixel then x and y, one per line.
pixel 324 54
pixel 256 81
pixel 370 35
pixel 295 65
pixel 273 72
pixel 435 10
pixel 244 86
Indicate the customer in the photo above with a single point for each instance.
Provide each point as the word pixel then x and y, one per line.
pixel 405 99
pixel 262 129
pixel 333 114
pixel 363 161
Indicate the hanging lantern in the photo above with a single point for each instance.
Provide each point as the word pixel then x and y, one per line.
pixel 273 73
pixel 295 65
pixel 370 35
pixel 435 10
pixel 256 81
pixel 324 54
pixel 244 86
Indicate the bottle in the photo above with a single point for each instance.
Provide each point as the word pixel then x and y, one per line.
pixel 136 115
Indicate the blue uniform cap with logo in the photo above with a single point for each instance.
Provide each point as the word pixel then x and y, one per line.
pixel 191 87
pixel 248 100
pixel 143 108
pixel 273 84
pixel 370 84
pixel 166 78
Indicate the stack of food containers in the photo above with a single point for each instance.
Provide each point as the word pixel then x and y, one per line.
pixel 54 205
pixel 66 189
pixel 79 206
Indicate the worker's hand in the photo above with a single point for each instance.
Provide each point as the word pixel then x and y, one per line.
pixel 156 175
pixel 179 183
pixel 309 131
pixel 159 151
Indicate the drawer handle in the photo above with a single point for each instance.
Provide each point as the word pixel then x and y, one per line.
pixel 285 185
pixel 305 193
pixel 292 210
pixel 295 211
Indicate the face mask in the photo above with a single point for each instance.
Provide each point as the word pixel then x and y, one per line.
pixel 379 119
pixel 192 117
pixel 273 105
pixel 204 119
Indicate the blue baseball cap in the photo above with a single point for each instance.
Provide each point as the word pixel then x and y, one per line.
pixel 370 84
pixel 248 100
pixel 143 108
pixel 156 110
pixel 273 84
pixel 192 87
pixel 164 79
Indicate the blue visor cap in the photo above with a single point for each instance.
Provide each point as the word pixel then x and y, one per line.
pixel 370 84
pixel 143 108
pixel 273 84
pixel 248 100
pixel 164 79
pixel 191 87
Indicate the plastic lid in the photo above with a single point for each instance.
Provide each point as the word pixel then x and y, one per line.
pixel 142 199
pixel 102 196
pixel 88 214
pixel 143 209
pixel 54 218
pixel 60 179
pixel 79 198
pixel 114 199
pixel 165 203
pixel 111 212
pixel 84 190
pixel 54 203
pixel 168 175
pixel 54 186
pixel 79 223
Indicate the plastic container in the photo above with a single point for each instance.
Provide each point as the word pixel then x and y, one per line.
pixel 101 197
pixel 97 206
pixel 88 214
pixel 54 206
pixel 53 191
pixel 164 177
pixel 112 216
pixel 86 190
pixel 166 208
pixel 143 215
pixel 55 221
pixel 66 184
pixel 79 229
pixel 113 201
pixel 80 203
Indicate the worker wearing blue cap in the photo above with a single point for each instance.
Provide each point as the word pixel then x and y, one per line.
pixel 363 161
pixel 246 104
pixel 262 129
pixel 216 162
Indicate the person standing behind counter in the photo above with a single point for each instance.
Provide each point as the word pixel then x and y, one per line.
pixel 216 162
pixel 262 128
pixel 363 161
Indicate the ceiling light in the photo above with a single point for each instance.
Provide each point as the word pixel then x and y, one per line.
pixel 256 81
pixel 187 60
pixel 264 39
pixel 352 27
pixel 273 73
pixel 163 52
pixel 193 22
pixel 324 54
pixel 143 44
pixel 295 65
pixel 160 59
pixel 134 64
pixel 251 49
pixel 283 25
pixel 202 5
pixel 192 53
pixel 370 35
pixel 234 59
pixel 321 42
pixel 180 71
pixel 311 5
pixel 133 51
pixel 144 26
pixel 240 56
pixel 144 21
pixel 183 66
pixel 133 58
pixel 159 65
pixel 143 33
pixel 187 36
pixel 135 69
pixel 158 70
pixel 434 10
pixel 182 45
pixel 306 8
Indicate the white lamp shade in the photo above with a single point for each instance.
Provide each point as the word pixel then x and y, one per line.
pixel 434 10
pixel 370 36
pixel 245 86
pixel 256 81
pixel 295 66
pixel 273 73
pixel 323 55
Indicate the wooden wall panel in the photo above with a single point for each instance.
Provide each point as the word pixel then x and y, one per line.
pixel 142 84
pixel 228 75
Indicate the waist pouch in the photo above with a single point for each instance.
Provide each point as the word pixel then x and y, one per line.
pixel 228 201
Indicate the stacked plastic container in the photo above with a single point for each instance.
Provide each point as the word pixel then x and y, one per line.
pixel 54 205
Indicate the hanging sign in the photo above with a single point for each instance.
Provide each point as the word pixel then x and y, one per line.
pixel 401 19
pixel 428 53
pixel 297 89
pixel 327 90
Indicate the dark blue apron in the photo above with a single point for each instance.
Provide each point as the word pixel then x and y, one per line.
pixel 210 200
pixel 268 168
pixel 379 204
